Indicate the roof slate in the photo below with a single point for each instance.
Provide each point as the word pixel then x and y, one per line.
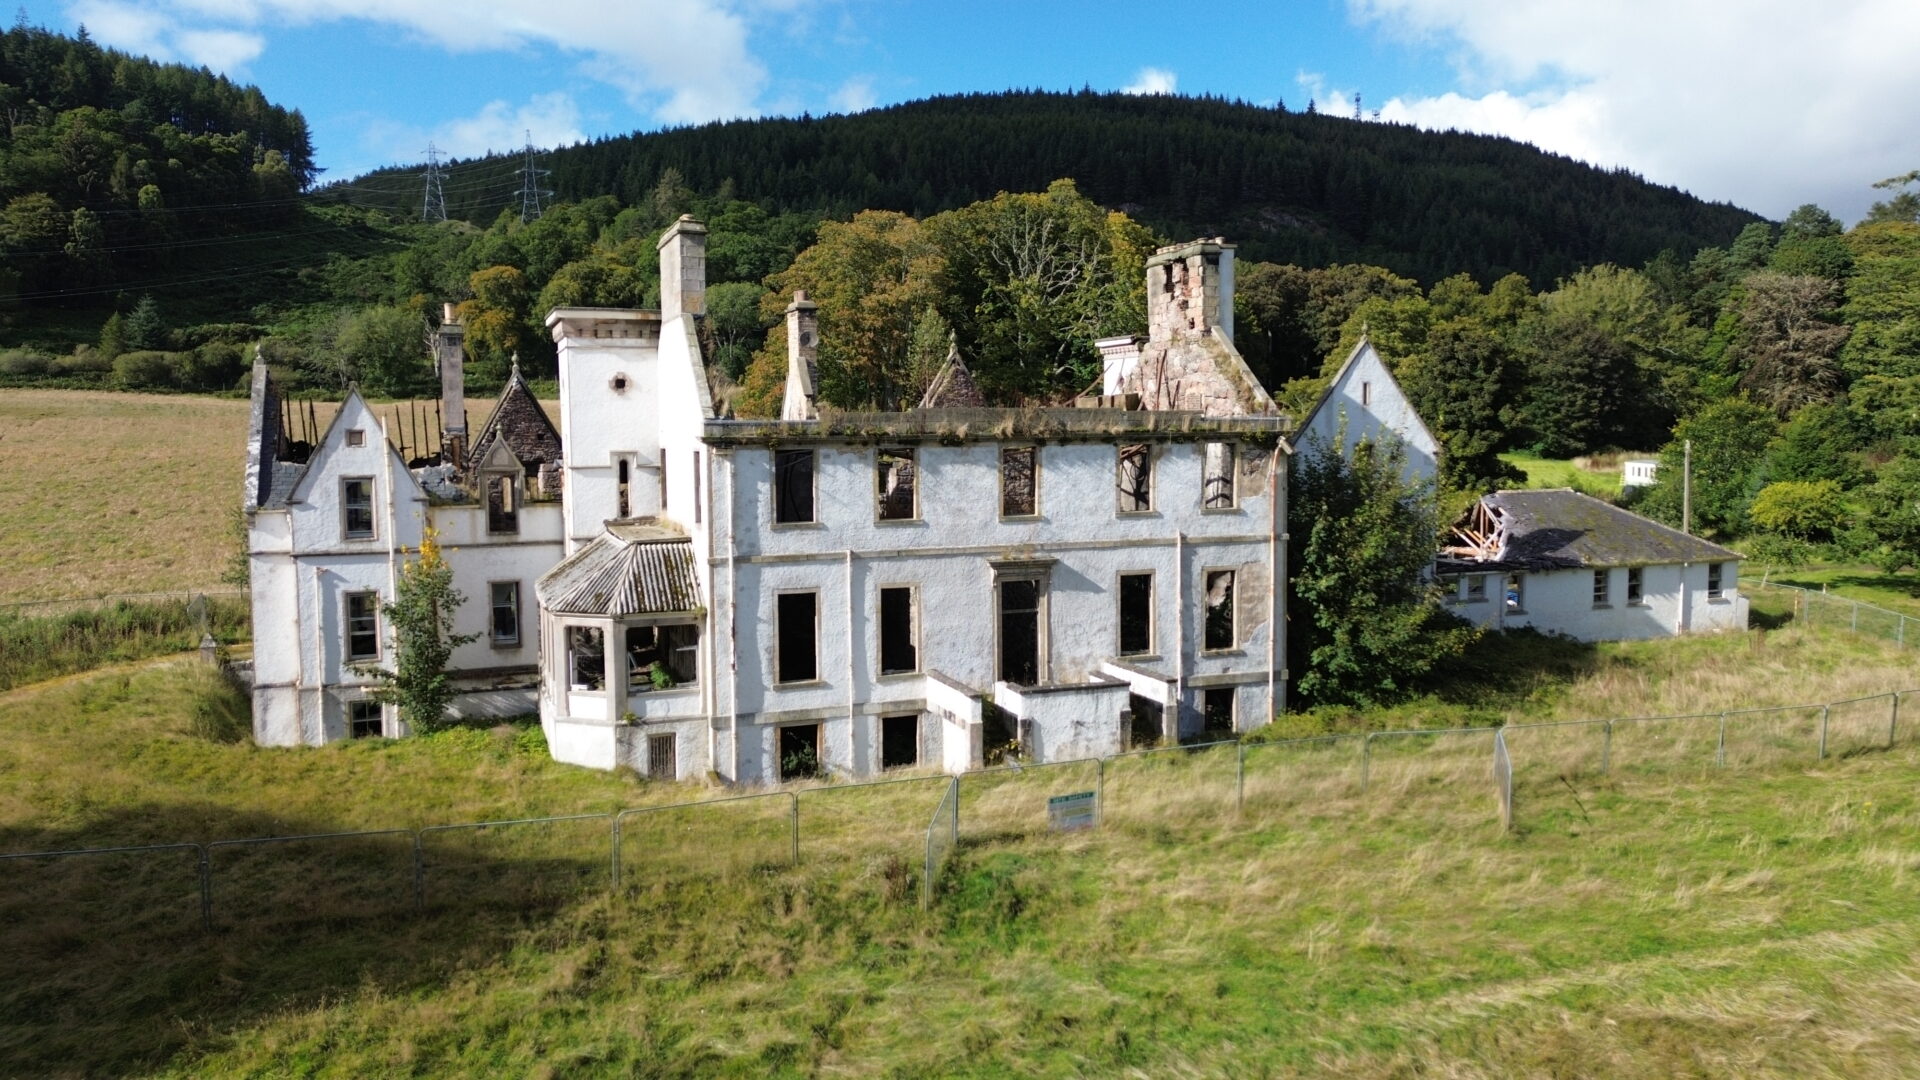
pixel 1563 529
pixel 518 418
pixel 614 577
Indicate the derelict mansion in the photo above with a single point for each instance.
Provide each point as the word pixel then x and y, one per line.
pixel 686 593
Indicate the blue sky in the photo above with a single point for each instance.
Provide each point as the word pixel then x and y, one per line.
pixel 1759 102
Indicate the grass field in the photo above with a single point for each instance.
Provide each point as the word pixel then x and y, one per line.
pixel 1601 481
pixel 1667 918
pixel 1895 592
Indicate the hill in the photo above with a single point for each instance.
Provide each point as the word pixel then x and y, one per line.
pixel 1309 189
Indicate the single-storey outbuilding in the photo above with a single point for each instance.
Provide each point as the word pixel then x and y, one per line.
pixel 1566 563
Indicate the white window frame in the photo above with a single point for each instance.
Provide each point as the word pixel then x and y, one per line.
pixel 494 638
pixel 347 625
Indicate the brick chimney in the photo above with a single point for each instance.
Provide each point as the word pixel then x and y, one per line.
pixel 1190 290
pixel 683 268
pixel 803 353
pixel 449 358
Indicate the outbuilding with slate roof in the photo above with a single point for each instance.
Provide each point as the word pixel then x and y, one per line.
pixel 1566 563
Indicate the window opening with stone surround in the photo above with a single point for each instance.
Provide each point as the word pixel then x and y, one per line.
pixel 895 484
pixel 899 631
pixel 364 720
pixel 356 507
pixel 1216 483
pixel 503 510
pixel 796 637
pixel 1218 709
pixel 363 626
pixel 793 487
pixel 1136 614
pixel 1021 634
pixel 503 601
pixel 1019 481
pixel 1134 479
pixel 900 741
pixel 1220 629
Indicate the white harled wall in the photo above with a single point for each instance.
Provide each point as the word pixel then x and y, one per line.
pixel 1561 602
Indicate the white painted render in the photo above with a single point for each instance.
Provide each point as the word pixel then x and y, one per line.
pixel 1367 399
pixel 1562 602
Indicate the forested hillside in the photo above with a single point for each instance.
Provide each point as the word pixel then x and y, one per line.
pixel 1304 188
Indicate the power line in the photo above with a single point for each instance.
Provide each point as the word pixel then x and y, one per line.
pixel 433 205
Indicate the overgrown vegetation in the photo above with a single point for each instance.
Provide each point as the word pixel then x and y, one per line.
pixel 421 620
pixel 35 647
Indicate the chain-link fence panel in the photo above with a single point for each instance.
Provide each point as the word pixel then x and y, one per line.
pixel 1293 775
pixel 1403 766
pixel 1860 725
pixel 1645 744
pixel 1171 787
pixel 278 882
pixel 1553 752
pixel 1772 736
pixel 659 845
pixel 943 836
pixel 526 862
pixel 874 826
pixel 54 902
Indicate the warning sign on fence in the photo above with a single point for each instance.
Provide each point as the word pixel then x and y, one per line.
pixel 1065 813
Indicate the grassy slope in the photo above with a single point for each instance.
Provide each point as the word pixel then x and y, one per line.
pixel 1667 919
pixel 1560 473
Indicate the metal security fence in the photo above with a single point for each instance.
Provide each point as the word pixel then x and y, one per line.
pixel 343 877
pixel 1817 607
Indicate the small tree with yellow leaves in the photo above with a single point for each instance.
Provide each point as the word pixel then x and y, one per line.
pixel 421 616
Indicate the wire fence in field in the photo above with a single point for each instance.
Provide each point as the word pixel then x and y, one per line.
pixel 1816 607
pixel 900 832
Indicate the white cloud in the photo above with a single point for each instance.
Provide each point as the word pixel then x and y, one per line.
pixel 1152 80
pixel 221 50
pixel 124 26
pixel 1769 104
pixel 855 95
pixel 681 60
pixel 549 120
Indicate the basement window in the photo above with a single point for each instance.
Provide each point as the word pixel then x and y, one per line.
pixel 793 487
pixel 586 658
pixel 900 741
pixel 1135 479
pixel 1216 478
pixel 672 651
pixel 363 626
pixel 899 631
pixel 1020 481
pixel 894 485
pixel 796 637
pixel 503 511
pixel 364 720
pixel 356 507
pixel 1136 614
pixel 799 751
pixel 660 758
pixel 1218 707
pixel 1636 594
pixel 1220 629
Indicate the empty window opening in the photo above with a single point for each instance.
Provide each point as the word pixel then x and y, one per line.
pixel 662 657
pixel 1219 599
pixel 1019 481
pixel 1477 589
pixel 1516 593
pixel 661 763
pixel 799 751
pixel 900 741
pixel 1635 594
pixel 797 632
pixel 364 720
pixel 1714 587
pixel 899 631
pixel 1216 483
pixel 1602 588
pixel 1135 479
pixel 586 658
pixel 624 484
pixel 1136 614
pixel 356 437
pixel 1218 706
pixel 1143 721
pixel 1366 393
pixel 363 626
pixel 999 733
pixel 503 513
pixel 895 486
pixel 356 506
pixel 793 486
pixel 1020 631
pixel 503 602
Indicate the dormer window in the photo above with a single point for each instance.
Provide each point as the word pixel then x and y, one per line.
pixel 503 513
pixel 356 507
pixel 356 437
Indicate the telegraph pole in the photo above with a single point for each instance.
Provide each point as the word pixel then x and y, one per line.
pixel 1686 487
pixel 530 190
pixel 433 204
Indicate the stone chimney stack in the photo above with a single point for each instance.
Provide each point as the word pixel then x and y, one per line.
pixel 683 268
pixel 1190 290
pixel 449 359
pixel 803 353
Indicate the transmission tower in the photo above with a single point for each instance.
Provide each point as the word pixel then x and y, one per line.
pixel 530 190
pixel 433 205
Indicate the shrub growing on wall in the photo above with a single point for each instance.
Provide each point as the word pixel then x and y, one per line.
pixel 421 619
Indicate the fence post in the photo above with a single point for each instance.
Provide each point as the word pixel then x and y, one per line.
pixel 1893 717
pixel 1606 746
pixel 795 825
pixel 1823 719
pixel 206 889
pixel 614 870
pixel 1240 782
pixel 1856 617
pixel 1366 760
pixel 956 810
pixel 1099 791
pixel 419 873
pixel 1720 750
pixel 1900 637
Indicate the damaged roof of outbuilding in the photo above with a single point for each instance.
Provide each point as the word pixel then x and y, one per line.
pixel 627 570
pixel 1563 529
